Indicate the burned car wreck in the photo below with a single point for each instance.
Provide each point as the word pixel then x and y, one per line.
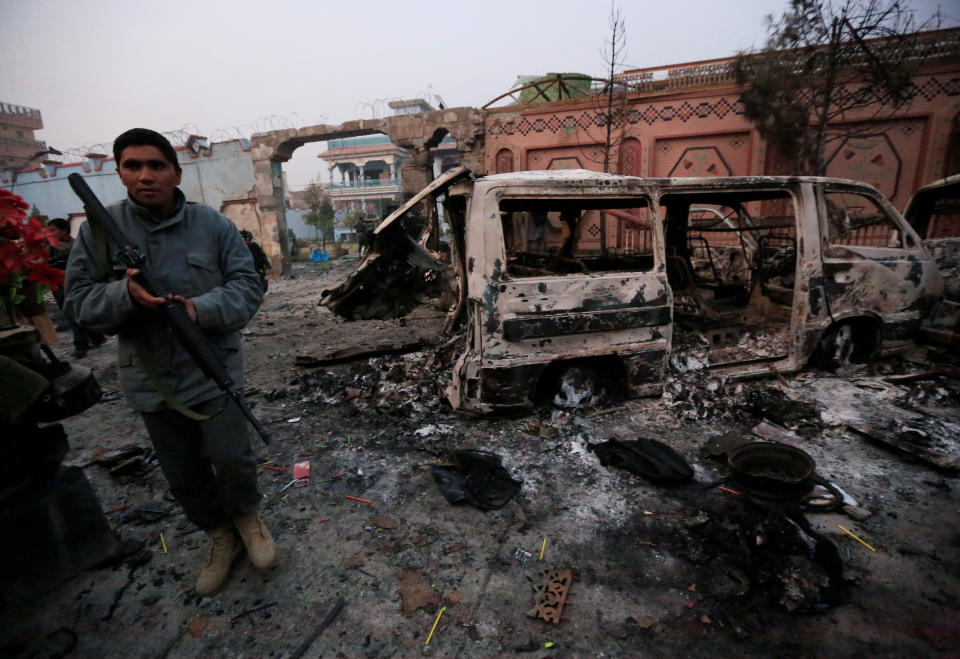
pixel 561 277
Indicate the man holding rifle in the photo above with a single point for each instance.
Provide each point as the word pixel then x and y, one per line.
pixel 199 434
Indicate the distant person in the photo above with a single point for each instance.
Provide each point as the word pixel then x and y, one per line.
pixel 83 339
pixel 199 434
pixel 260 261
pixel 364 230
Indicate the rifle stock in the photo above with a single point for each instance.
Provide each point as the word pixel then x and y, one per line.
pixel 190 336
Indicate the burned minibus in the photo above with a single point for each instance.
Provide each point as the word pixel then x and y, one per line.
pixel 571 277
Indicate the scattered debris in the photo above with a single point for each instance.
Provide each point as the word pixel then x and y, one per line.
pixel 197 626
pixel 148 513
pixel 315 634
pixel 649 458
pixel 301 470
pixel 770 471
pixel 415 592
pixel 382 522
pixel 257 609
pixel 775 433
pixel 891 416
pixel 340 355
pixel 777 406
pixel 645 621
pixel 435 623
pixel 522 556
pixel 290 484
pixel 852 535
pixel 477 478
pixel 130 460
pixel 551 595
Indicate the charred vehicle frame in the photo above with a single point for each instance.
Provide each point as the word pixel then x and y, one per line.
pixel 576 277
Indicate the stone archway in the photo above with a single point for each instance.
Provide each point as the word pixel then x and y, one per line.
pixel 417 133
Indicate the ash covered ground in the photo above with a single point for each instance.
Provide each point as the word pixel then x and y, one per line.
pixel 658 570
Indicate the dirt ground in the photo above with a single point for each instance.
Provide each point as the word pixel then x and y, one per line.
pixel 658 570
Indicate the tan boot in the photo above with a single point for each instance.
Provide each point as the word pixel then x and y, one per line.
pixel 257 539
pixel 225 546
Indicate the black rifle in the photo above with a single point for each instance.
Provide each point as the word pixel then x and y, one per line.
pixel 183 328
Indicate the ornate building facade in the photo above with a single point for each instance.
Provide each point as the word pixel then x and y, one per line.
pixel 687 120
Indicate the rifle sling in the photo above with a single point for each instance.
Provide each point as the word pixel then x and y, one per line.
pixel 149 366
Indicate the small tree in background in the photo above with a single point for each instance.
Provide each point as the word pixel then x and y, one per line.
pixel 825 64
pixel 327 218
pixel 320 216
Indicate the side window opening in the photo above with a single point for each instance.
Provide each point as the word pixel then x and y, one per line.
pixel 565 236
pixel 731 262
pixel 854 220
pixel 945 218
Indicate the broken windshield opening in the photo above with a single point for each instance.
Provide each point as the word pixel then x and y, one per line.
pixel 551 237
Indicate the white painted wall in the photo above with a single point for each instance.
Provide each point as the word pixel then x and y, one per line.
pixel 225 174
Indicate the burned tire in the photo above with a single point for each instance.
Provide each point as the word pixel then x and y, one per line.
pixel 578 387
pixel 581 384
pixel 847 342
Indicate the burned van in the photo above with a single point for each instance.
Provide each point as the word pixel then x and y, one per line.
pixel 572 281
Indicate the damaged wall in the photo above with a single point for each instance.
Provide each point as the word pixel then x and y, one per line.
pixel 417 133
pixel 212 176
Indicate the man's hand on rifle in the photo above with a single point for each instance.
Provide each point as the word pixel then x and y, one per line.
pixel 142 296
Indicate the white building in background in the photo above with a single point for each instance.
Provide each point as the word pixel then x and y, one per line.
pixel 365 173
pixel 219 175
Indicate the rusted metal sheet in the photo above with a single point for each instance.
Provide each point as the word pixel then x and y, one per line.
pixel 438 184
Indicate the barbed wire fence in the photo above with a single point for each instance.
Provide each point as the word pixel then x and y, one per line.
pixel 180 136
pixel 376 109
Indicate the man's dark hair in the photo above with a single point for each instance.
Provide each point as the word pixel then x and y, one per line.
pixel 60 223
pixel 145 137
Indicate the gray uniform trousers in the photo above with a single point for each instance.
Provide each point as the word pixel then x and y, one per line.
pixel 209 464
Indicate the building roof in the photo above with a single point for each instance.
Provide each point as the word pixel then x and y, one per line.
pixel 363 150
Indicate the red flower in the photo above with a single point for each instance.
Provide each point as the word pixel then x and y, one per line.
pixel 24 250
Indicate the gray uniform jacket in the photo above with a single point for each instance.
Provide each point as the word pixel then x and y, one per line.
pixel 196 253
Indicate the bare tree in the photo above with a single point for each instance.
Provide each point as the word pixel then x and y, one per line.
pixel 613 54
pixel 611 99
pixel 612 105
pixel 828 71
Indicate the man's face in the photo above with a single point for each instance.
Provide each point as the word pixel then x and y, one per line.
pixel 150 178
pixel 60 234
